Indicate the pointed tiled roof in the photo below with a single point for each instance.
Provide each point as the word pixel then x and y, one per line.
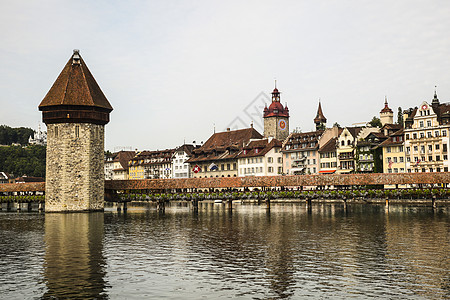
pixel 75 85
pixel 320 118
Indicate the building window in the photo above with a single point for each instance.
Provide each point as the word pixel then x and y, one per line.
pixel 429 123
pixel 228 166
pixel 401 159
pixel 56 131
pixel 388 149
pixel 422 135
pixel 436 146
pixel 438 157
pixel 407 136
pixel 234 166
pixel 280 170
pixel 280 160
pixel 436 133
pixel 429 135
pixel 414 136
pixel 270 159
pixel 430 158
pixel 270 169
pixel 430 148
pixel 421 124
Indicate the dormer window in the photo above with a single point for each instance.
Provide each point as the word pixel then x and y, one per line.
pixel 275 111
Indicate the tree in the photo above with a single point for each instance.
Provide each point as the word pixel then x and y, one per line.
pixel 400 116
pixel 375 122
pixel 10 135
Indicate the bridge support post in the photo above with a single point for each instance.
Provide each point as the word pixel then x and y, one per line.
pixel 230 204
pixel 268 203
pixel 387 202
pixel 41 206
pixel 433 201
pixel 195 205
pixel 160 205
pixel 29 207
pixel 125 206
pixel 8 206
pixel 18 206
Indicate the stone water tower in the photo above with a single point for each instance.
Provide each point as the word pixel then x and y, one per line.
pixel 75 111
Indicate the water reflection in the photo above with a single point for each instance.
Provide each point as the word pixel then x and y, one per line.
pixel 288 252
pixel 74 263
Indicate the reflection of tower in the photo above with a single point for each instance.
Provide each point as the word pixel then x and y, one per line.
pixel 386 114
pixel 276 118
pixel 75 111
pixel 320 120
pixel 74 263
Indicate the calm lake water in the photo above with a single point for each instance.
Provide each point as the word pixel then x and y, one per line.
pixel 287 252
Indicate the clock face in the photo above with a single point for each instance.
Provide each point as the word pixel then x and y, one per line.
pixel 282 124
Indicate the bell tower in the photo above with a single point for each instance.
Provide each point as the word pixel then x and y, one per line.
pixel 386 114
pixel 276 118
pixel 75 111
pixel 320 119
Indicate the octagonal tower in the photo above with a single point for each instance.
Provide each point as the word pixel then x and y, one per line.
pixel 75 111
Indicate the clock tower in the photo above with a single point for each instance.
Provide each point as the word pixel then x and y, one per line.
pixel 276 118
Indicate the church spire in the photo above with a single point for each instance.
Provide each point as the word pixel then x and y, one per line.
pixel 320 119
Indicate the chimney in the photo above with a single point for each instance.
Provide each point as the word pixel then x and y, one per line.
pixel 228 129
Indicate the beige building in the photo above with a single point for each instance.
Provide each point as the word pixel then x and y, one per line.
pixel 300 153
pixel 427 137
pixel 393 153
pixel 261 158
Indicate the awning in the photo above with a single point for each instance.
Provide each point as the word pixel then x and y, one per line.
pixel 327 171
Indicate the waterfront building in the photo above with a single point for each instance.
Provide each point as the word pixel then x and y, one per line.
pixel 276 118
pixel 217 157
pixel 151 165
pixel 346 147
pixel 369 157
pixel 180 166
pixel 328 156
pixel 75 111
pixel 300 153
pixel 116 165
pixel 261 157
pixel 427 137
pixel 393 153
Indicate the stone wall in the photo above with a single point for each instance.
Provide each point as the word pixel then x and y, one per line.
pixel 75 175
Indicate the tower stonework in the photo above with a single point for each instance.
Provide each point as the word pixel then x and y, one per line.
pixel 276 118
pixel 75 111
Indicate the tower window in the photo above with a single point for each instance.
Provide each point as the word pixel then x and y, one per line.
pixel 56 131
pixel 77 131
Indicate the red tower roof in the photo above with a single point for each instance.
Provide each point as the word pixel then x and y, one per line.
pixel 276 109
pixel 386 108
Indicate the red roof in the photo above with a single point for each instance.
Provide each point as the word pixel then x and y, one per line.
pixel 276 109
pixel 224 145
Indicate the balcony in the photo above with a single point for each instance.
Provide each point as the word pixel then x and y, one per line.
pixel 346 156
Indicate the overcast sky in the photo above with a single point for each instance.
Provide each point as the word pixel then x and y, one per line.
pixel 174 70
